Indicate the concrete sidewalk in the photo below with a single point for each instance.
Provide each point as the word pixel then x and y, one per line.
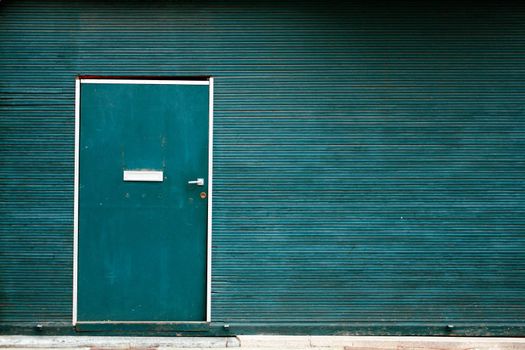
pixel 261 343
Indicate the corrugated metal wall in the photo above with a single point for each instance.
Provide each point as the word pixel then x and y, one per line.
pixel 369 160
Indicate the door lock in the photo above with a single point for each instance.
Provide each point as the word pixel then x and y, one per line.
pixel 198 182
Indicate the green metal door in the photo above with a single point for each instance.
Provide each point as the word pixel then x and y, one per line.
pixel 142 200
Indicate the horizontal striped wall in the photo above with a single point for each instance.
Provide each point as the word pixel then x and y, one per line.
pixel 369 160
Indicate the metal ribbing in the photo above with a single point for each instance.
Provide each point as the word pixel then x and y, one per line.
pixel 369 160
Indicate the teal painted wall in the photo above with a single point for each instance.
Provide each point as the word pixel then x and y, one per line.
pixel 369 160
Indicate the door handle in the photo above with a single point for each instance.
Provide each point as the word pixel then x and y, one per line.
pixel 198 182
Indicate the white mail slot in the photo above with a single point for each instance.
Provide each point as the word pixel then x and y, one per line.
pixel 144 175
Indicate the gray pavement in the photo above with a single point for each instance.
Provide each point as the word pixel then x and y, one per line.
pixel 260 343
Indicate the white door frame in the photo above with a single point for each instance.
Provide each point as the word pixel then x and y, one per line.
pixel 79 81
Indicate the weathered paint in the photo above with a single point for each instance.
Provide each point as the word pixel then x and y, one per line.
pixel 369 160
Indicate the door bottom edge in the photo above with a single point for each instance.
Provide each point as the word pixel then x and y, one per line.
pixel 142 322
pixel 150 326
